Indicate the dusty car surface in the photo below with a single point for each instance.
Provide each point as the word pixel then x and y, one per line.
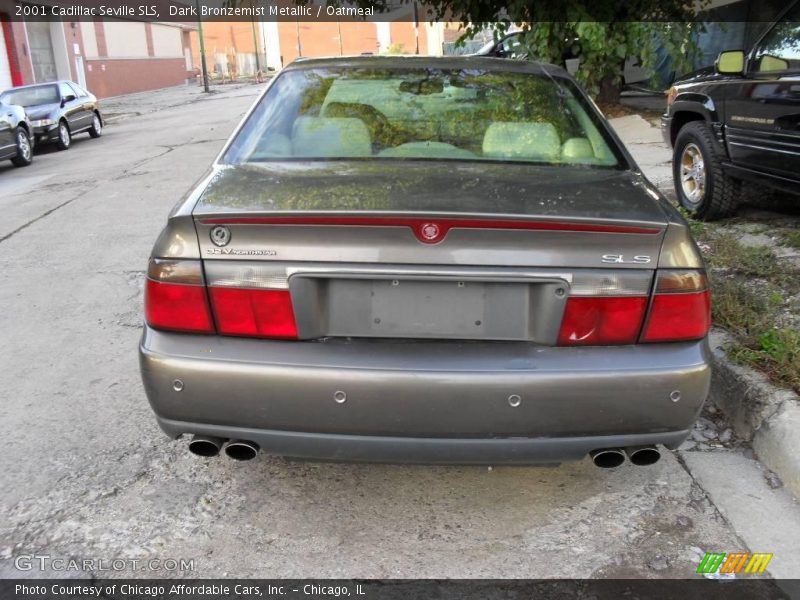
pixel 428 260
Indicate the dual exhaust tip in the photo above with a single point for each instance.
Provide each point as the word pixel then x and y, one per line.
pixel 609 458
pixel 605 458
pixel 209 446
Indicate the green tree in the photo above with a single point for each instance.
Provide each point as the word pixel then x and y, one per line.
pixel 606 32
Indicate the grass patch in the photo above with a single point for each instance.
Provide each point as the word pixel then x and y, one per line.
pixel 790 238
pixel 777 353
pixel 751 261
pixel 749 284
pixel 743 312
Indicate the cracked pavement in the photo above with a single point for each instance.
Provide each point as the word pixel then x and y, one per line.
pixel 88 474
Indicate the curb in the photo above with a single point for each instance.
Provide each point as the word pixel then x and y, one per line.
pixel 759 412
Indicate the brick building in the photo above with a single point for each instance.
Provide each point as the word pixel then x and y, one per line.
pixel 108 57
pixel 231 47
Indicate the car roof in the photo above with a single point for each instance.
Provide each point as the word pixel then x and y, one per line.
pixel 444 62
pixel 43 83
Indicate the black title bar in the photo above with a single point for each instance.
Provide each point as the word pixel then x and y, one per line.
pixel 190 11
pixel 395 589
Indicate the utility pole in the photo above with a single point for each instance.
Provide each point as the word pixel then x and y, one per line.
pixel 416 28
pixel 203 67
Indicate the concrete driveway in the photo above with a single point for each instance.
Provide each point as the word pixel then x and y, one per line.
pixel 87 474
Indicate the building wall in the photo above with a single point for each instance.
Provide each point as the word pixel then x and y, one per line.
pixel 20 51
pixel 167 41
pixel 404 35
pixel 106 78
pixel 111 57
pixel 316 39
pixel 123 57
pixel 125 39
pixel 7 73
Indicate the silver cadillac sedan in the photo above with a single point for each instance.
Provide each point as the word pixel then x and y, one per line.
pixel 434 260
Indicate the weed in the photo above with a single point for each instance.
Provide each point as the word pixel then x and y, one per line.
pixel 790 238
pixel 749 287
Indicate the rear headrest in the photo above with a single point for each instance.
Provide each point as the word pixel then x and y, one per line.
pixel 538 141
pixel 330 137
pixel 577 150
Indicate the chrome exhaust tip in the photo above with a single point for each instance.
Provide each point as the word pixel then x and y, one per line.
pixel 607 458
pixel 241 450
pixel 643 456
pixel 205 445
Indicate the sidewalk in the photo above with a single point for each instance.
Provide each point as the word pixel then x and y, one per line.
pixel 648 149
pixel 117 108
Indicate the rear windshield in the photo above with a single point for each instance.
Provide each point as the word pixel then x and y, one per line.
pixel 43 94
pixel 436 114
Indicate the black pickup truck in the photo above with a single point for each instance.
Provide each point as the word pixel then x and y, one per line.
pixel 738 122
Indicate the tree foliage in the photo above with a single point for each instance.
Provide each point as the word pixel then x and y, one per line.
pixel 606 32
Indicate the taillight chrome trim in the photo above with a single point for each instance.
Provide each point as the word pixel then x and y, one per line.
pixel 276 276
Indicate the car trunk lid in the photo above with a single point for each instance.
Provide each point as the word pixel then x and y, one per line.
pixel 411 250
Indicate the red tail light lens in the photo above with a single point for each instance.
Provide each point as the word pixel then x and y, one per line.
pixel 177 307
pixel 602 321
pixel 254 312
pixel 678 317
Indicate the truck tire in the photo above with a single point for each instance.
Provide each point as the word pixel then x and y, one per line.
pixel 701 185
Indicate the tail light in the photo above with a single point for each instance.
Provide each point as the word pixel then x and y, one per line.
pixel 681 308
pixel 175 297
pixel 602 321
pixel 254 313
pixel 251 300
pixel 245 300
pixel 605 308
pixel 609 309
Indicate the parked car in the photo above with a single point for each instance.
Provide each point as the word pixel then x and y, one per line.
pixel 15 135
pixel 58 110
pixel 428 260
pixel 738 122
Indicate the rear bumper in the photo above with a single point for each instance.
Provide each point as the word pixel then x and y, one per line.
pixel 395 449
pixel 424 401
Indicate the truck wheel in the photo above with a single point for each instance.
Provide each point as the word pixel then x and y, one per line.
pixel 700 183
